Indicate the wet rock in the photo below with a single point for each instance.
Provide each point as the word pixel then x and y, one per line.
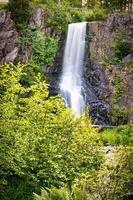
pixel 97 91
pixel 99 111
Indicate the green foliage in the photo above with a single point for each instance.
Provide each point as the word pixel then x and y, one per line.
pixel 41 142
pixel 88 14
pixel 119 114
pixel 58 17
pixel 122 135
pixel 121 46
pixel 75 3
pixel 20 10
pixel 117 5
pixel 44 48
pixel 72 3
pixel 119 89
pixel 94 14
pixel 93 3
pixel 62 194
pixel 114 179
pixel 130 65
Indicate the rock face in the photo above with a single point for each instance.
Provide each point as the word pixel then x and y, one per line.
pixel 37 19
pixel 8 38
pixel 101 35
pixel 53 73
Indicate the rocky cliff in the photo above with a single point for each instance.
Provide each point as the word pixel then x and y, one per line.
pixel 102 77
pixel 100 80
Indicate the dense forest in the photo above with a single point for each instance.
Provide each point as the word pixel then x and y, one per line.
pixel 46 151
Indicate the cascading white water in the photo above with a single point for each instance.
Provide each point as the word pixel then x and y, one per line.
pixel 71 80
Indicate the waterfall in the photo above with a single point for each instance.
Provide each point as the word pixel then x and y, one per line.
pixel 71 85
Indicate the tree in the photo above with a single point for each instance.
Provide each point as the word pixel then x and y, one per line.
pixel 118 4
pixel 42 143
pixel 20 10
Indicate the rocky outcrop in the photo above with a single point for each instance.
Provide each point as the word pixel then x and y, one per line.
pixel 8 38
pixel 101 36
pixel 37 19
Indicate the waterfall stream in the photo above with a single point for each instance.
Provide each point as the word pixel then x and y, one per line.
pixel 71 84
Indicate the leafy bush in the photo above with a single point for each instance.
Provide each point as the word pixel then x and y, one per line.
pixel 20 10
pixel 41 142
pixel 44 48
pixel 57 18
pixel 119 114
pixel 62 194
pixel 94 14
pixel 114 179
pixel 122 135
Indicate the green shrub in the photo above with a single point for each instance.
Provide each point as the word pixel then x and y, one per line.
pixel 119 114
pixel 42 144
pixel 58 17
pixel 20 10
pixel 76 16
pixel 62 194
pixel 94 14
pixel 114 179
pixel 122 135
pixel 119 89
pixel 44 48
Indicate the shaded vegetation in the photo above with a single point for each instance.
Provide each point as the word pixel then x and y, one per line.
pixel 20 10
